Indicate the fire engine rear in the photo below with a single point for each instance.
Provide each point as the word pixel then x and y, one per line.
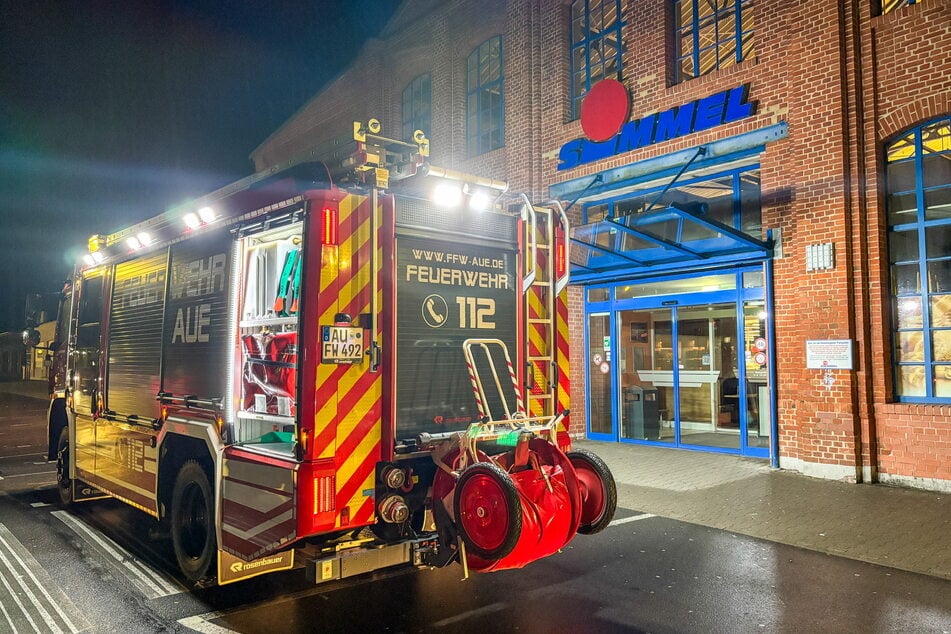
pixel 310 367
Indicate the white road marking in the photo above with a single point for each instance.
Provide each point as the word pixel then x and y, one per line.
pixel 625 520
pixel 202 623
pixel 37 505
pixel 19 564
pixel 27 475
pixel 486 609
pixel 151 583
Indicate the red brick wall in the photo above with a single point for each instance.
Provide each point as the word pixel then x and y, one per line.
pixel 907 70
pixel 843 80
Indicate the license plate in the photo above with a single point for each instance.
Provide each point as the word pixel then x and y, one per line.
pixel 341 344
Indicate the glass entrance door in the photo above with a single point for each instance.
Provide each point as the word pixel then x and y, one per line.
pixel 708 386
pixel 599 375
pixel 681 362
pixel 646 345
pixel 688 376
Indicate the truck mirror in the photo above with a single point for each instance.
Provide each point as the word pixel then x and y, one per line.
pixel 31 337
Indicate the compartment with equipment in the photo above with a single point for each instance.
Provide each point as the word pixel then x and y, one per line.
pixel 272 259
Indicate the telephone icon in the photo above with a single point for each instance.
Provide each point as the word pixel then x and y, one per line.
pixel 435 311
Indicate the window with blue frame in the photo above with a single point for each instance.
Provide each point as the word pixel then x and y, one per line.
pixel 417 106
pixel 892 5
pixel 709 35
pixel 595 46
pixel 918 207
pixel 484 98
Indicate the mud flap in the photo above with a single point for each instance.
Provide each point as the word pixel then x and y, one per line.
pixel 257 519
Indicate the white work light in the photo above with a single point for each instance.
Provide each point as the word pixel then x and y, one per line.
pixel 447 195
pixel 207 215
pixel 192 221
pixel 479 201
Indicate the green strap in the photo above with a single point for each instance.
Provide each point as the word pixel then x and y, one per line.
pixel 287 272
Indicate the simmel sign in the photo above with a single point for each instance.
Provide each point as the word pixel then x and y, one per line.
pixel 607 106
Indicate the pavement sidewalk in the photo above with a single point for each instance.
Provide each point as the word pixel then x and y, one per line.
pixel 35 389
pixel 901 528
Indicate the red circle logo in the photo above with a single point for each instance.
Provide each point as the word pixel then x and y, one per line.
pixel 605 109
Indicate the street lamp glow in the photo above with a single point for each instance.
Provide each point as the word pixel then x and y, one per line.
pixel 192 221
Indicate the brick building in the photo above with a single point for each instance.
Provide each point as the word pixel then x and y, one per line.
pixel 760 197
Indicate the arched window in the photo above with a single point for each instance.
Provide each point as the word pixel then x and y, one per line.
pixel 595 46
pixel 710 34
pixel 918 207
pixel 417 106
pixel 484 97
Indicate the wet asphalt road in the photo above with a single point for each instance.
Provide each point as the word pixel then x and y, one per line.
pixel 95 569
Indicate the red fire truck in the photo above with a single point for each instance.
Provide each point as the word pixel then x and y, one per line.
pixel 342 364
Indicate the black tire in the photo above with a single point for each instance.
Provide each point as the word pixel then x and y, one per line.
pixel 488 511
pixel 598 491
pixel 63 482
pixel 192 523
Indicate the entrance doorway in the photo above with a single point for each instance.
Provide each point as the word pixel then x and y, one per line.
pixel 682 369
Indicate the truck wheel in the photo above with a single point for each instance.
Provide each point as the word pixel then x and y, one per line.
pixel 192 522
pixel 488 511
pixel 598 491
pixel 63 483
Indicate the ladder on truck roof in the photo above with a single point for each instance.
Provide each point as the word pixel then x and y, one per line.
pixel 542 401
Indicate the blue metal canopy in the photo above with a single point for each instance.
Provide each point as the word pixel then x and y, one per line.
pixel 660 240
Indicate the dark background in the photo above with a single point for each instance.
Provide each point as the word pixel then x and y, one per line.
pixel 113 111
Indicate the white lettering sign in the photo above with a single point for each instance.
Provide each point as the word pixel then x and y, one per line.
pixel 190 324
pixel 830 354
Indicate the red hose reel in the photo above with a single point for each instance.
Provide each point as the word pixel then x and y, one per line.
pixel 524 504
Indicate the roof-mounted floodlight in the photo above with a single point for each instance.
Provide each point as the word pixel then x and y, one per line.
pixel 191 220
pixel 454 187
pixel 138 241
pixel 447 195
pixel 207 215
pixel 479 201
pixel 471 180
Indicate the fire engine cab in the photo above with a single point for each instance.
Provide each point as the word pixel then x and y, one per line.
pixel 345 364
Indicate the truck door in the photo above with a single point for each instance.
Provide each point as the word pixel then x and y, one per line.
pixel 126 454
pixel 259 471
pixel 84 367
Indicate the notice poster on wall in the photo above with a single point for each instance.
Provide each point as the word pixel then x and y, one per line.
pixel 829 354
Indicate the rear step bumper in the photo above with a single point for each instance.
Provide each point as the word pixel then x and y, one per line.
pixel 331 566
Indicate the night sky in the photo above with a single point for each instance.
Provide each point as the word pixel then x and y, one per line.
pixel 113 111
